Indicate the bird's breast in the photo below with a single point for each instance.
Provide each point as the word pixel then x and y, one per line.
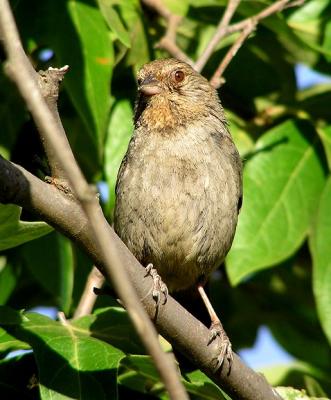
pixel 176 208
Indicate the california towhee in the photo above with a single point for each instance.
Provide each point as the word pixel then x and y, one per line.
pixel 179 188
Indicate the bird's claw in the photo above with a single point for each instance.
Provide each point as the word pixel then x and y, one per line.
pixel 158 285
pixel 216 330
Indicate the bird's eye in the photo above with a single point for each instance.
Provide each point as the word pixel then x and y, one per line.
pixel 179 76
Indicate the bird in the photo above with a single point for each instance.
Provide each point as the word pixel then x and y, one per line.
pixel 179 186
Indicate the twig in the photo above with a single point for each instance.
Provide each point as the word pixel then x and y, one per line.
pixel 168 41
pixel 219 34
pixel 114 270
pixel 246 26
pixel 272 9
pixel 88 299
pixel 216 80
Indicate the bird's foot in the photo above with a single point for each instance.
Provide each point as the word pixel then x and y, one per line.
pixel 217 330
pixel 159 287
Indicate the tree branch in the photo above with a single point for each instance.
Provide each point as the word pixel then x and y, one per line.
pixel 168 41
pixel 219 34
pixel 88 298
pixel 217 80
pixel 173 322
pixel 246 27
pixel 53 135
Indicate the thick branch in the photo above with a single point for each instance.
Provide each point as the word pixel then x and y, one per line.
pixel 112 264
pixel 173 321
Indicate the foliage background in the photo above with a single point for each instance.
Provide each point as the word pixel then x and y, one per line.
pixel 278 272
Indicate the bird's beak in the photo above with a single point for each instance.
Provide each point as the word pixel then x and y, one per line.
pixel 150 86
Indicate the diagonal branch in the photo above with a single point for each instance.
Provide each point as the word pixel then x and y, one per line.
pixel 168 41
pixel 20 187
pixel 86 303
pixel 246 27
pixel 113 267
pixel 216 80
pixel 219 34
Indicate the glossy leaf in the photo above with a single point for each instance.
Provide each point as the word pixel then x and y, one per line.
pixel 14 232
pixel 114 22
pixel 199 385
pixel 289 393
pixel 9 343
pixel 241 138
pixel 109 324
pixel 327 41
pixel 8 279
pixel 91 94
pixel 82 41
pixel 139 53
pixel 9 100
pixel 320 241
pixel 81 366
pixel 140 374
pixel 54 273
pixel 325 135
pixel 283 181
pixel 119 133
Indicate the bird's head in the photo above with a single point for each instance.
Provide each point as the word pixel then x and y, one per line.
pixel 171 92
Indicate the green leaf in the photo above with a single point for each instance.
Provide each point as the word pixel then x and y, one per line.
pixel 111 325
pixel 57 277
pixel 285 374
pixel 289 393
pixel 9 343
pixel 241 138
pixel 10 100
pixel 14 232
pixel 139 52
pixel 307 21
pixel 320 243
pixel 114 22
pixel 315 99
pixel 201 387
pixel 140 375
pixel 325 135
pixel 77 33
pixel 119 133
pixel 89 86
pixel 327 41
pixel 8 279
pixel 283 180
pixel 71 363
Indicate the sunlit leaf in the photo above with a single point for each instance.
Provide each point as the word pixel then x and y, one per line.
pixel 14 232
pixel 283 181
pixel 325 135
pixel 119 133
pixel 82 367
pixel 320 240
pixel 114 22
pixel 91 91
